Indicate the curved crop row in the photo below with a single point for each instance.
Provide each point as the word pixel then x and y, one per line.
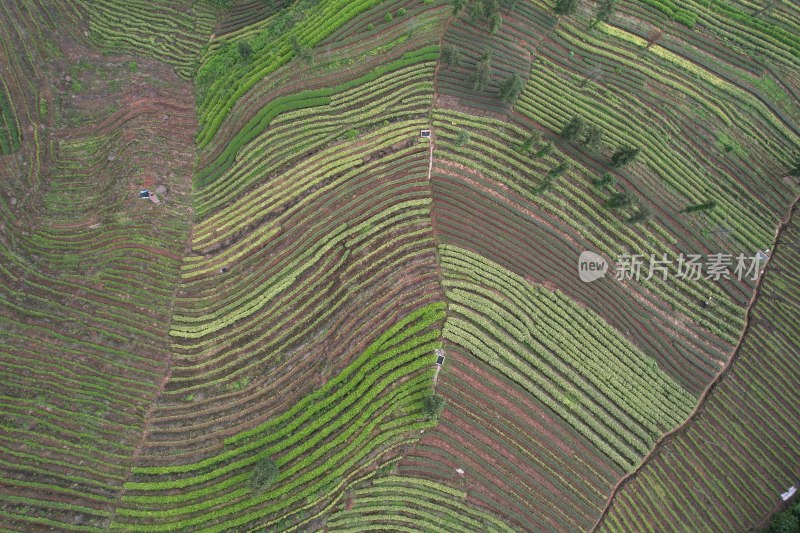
pixel 223 78
pixel 399 95
pixel 409 502
pixel 602 385
pixel 305 99
pixel 9 127
pixel 727 467
pixel 520 461
pixel 86 291
pixel 162 30
pixel 302 298
pixel 335 431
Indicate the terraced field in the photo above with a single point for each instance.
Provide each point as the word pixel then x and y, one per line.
pixel 173 32
pixel 322 319
pixel 741 440
pixel 89 274
pixel 504 217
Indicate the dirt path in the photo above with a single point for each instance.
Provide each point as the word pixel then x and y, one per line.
pixel 664 440
pixel 430 151
pixel 435 99
pixel 431 147
pixel 147 419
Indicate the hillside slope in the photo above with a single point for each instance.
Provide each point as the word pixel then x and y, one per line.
pixel 267 343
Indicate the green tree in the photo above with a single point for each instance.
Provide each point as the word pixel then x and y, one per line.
pixel 510 89
pixel 551 176
pixel 490 7
pixel 303 52
pixel 296 46
pixel 245 50
pixel 462 138
pixel 795 170
pixel 566 7
pixel 619 200
pixel 594 138
pixel 606 9
pixel 559 170
pixel 388 17
pixel 641 215
pixel 528 143
pixel 495 20
pixel 545 150
pixel 705 206
pixel 607 179
pixel 483 73
pixel 433 406
pixel 784 522
pixel 573 129
pixel 458 6
pixel 450 55
pixel 265 473
pixel 623 156
pixel 475 12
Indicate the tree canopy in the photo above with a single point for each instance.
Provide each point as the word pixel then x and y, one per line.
pixel 594 138
pixel 619 200
pixel 623 156
pixel 606 9
pixel 510 89
pixel 566 7
pixel 483 73
pixel 450 55
pixel 433 406
pixel 265 473
pixel 573 129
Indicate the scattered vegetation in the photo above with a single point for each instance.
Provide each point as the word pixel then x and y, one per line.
pixel 463 138
pixel 483 73
pixel 511 89
pixel 434 405
pixel 450 55
pixel 624 156
pixel 265 473
pixel 705 206
pixel 573 129
pixel 565 7
pixel 307 237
